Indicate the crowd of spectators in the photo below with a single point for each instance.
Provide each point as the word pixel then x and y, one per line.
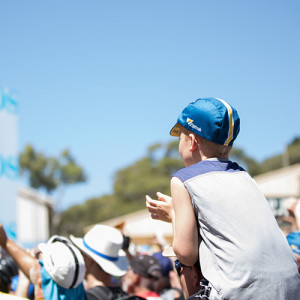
pixel 100 266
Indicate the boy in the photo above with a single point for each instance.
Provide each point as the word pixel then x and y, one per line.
pixel 242 252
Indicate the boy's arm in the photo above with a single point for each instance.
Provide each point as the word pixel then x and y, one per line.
pixel 185 234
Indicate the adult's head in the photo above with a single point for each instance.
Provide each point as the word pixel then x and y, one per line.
pixel 189 276
pixel 63 262
pixel 103 244
pixel 8 269
pixel 59 271
pixel 293 239
pixel 166 267
pixel 143 274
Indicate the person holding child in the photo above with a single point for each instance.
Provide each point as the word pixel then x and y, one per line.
pixel 220 216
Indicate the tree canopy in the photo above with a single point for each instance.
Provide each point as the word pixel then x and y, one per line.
pixel 50 172
pixel 149 175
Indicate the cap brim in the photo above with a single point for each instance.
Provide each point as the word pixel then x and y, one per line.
pixel 116 268
pixel 175 131
pixel 169 252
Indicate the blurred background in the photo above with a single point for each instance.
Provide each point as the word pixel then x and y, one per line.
pixel 90 90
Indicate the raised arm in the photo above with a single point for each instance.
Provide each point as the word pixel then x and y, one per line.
pixel 185 234
pixel 22 258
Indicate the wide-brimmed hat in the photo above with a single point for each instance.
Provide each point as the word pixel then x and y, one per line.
pixel 63 261
pixel 104 245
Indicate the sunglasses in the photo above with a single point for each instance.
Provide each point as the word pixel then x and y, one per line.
pixel 178 266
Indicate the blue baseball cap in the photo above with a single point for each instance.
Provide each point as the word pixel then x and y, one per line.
pixel 293 239
pixel 211 118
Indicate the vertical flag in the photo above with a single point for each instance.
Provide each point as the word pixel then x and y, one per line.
pixel 9 164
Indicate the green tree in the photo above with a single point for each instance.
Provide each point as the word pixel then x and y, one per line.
pixel 245 161
pixel 290 156
pixel 147 176
pixel 293 151
pixel 50 172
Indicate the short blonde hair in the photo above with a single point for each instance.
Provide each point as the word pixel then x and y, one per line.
pixel 210 149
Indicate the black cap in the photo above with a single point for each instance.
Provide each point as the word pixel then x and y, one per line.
pixel 8 268
pixel 146 265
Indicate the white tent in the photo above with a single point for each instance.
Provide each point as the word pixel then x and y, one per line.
pixel 281 183
pixel 141 228
pixel 34 212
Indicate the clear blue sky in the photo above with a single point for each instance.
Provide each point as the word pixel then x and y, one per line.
pixel 107 79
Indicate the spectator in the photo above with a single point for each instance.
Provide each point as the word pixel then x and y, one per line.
pixel 22 286
pixel 165 287
pixel 293 239
pixel 141 278
pixel 104 258
pixel 59 272
pixel 62 269
pixel 233 217
pixel 194 286
pixel 292 205
pixel 8 269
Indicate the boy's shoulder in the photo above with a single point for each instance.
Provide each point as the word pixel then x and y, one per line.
pixel 207 166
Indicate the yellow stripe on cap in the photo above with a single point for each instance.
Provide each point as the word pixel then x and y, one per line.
pixel 231 123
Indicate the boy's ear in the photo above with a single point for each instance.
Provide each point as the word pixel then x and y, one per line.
pixel 194 143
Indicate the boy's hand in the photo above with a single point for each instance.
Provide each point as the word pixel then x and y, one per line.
pixel 161 209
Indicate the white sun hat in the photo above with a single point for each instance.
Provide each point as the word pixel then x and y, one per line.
pixel 104 245
pixel 63 261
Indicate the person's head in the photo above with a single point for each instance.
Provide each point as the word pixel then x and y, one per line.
pixel 189 276
pixel 8 269
pixel 63 262
pixel 103 245
pixel 293 239
pixel 166 266
pixel 143 274
pixel 206 128
pixel 59 260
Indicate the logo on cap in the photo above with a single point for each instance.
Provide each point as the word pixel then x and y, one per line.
pixel 190 122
